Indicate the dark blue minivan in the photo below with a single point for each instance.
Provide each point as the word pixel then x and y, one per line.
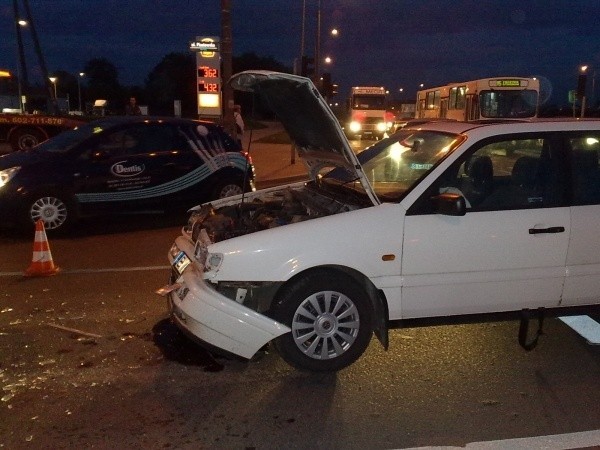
pixel 122 164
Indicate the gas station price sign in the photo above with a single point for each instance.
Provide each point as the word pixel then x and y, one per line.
pixel 208 86
pixel 207 72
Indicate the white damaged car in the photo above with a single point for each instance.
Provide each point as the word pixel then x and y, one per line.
pixel 446 222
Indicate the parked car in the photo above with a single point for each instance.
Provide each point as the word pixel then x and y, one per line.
pixel 121 164
pixel 436 224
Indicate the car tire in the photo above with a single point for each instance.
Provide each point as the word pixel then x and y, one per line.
pixel 330 319
pixel 57 211
pixel 23 139
pixel 227 188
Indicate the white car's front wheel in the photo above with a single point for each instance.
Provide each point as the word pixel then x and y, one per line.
pixel 330 318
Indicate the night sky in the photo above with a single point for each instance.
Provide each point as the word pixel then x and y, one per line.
pixel 393 43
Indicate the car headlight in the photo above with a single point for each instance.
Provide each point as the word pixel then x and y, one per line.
pixel 7 174
pixel 355 126
pixel 381 127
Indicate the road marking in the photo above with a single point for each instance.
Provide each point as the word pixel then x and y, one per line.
pixel 114 269
pixel 587 327
pixel 584 439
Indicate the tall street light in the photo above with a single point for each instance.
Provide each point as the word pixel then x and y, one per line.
pixel 318 43
pixel 21 67
pixel 581 82
pixel 54 80
pixel 81 75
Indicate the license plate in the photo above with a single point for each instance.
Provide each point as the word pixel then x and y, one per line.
pixel 180 262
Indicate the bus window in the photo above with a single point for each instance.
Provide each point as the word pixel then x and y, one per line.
pixel 457 98
pixel 433 100
pixel 508 104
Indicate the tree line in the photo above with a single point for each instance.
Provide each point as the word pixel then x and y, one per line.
pixel 173 78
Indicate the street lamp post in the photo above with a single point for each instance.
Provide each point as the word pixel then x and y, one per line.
pixel 81 75
pixel 21 68
pixel 581 82
pixel 318 43
pixel 54 80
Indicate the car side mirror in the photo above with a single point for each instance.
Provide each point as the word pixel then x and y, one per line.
pixel 450 204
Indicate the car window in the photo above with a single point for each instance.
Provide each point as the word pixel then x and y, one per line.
pixel 113 144
pixel 152 138
pixel 515 173
pixel 139 139
pixel 396 164
pixel 209 141
pixel 585 169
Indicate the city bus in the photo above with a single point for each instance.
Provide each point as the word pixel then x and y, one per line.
pixel 483 99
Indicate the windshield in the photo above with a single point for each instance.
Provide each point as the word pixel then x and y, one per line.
pixel 508 104
pixel 394 165
pixel 67 140
pixel 368 102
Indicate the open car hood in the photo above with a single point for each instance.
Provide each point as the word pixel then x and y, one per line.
pixel 308 120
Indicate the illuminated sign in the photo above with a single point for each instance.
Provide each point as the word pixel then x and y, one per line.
pixel 508 83
pixel 208 72
pixel 208 87
pixel 368 90
pixel 206 46
pixel 209 101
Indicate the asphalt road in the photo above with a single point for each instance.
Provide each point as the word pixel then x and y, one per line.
pixel 89 359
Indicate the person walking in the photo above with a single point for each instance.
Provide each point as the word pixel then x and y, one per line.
pixel 239 123
pixel 132 109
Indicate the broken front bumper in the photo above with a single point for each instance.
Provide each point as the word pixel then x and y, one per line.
pixel 212 318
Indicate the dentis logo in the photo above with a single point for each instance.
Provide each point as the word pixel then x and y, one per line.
pixel 121 169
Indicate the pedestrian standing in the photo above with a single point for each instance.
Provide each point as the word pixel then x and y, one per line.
pixel 239 123
pixel 132 109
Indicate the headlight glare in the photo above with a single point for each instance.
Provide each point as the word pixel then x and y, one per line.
pixel 355 126
pixel 7 174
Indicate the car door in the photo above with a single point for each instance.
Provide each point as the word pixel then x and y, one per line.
pixel 582 284
pixel 139 167
pixel 508 251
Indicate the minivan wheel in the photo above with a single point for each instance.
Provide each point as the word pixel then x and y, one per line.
pixel 227 188
pixel 56 212
pixel 330 319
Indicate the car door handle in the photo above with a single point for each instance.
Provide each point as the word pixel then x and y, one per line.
pixel 547 230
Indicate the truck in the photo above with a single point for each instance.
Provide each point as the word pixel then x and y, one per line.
pixel 367 114
pixel 23 131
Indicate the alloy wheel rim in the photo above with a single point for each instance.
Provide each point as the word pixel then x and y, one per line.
pixel 325 325
pixel 51 210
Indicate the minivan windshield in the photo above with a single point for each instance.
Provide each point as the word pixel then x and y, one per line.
pixel 67 140
pixel 394 165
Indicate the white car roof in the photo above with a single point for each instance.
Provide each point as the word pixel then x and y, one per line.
pixel 505 127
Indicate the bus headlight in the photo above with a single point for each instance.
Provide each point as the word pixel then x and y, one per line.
pixel 381 127
pixel 355 126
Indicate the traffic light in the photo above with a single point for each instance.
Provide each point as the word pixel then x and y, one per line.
pixel 307 66
pixel 328 88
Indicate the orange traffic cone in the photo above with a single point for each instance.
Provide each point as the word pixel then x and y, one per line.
pixel 41 263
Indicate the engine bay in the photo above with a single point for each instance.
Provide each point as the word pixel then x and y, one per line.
pixel 262 211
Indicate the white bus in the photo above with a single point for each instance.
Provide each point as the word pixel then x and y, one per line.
pixel 484 99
